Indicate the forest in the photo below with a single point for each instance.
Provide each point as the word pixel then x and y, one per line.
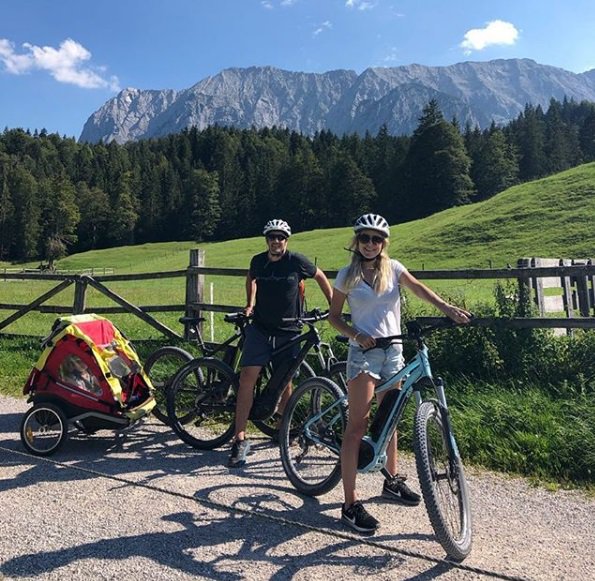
pixel 58 196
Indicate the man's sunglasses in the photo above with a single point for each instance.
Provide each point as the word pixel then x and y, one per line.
pixel 366 238
pixel 276 237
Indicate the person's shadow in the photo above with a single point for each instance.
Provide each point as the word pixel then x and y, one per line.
pixel 260 543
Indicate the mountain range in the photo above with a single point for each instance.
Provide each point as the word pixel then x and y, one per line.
pixel 341 101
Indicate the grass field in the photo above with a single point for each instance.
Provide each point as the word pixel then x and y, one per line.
pixel 552 217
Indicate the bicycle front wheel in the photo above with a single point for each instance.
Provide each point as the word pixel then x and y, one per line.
pixel 310 454
pixel 201 403
pixel 442 481
pixel 271 426
pixel 161 367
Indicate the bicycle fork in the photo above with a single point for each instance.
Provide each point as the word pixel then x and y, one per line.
pixel 453 449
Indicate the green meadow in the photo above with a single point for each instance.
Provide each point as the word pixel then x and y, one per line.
pixel 549 218
pixel 552 217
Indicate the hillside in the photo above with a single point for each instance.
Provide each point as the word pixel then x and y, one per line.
pixel 550 217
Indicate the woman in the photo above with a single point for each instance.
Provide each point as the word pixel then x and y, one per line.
pixel 371 285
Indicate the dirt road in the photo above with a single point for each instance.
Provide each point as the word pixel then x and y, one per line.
pixel 145 506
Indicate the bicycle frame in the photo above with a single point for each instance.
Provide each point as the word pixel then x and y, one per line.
pixel 264 405
pixel 325 362
pixel 415 376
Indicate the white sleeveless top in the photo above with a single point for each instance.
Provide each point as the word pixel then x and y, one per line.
pixel 373 314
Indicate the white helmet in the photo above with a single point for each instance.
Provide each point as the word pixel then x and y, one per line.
pixel 277 225
pixel 372 222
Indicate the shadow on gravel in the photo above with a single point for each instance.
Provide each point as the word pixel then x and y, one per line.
pixel 142 453
pixel 10 423
pixel 240 543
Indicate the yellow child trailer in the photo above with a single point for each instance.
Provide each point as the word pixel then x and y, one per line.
pixel 87 378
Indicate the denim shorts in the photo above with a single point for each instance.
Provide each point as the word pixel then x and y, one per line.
pixel 259 346
pixel 377 363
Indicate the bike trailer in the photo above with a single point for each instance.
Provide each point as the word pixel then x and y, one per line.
pixel 88 375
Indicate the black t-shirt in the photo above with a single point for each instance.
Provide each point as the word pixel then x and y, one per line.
pixel 277 289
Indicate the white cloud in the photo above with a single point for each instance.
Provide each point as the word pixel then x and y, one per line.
pixel 360 4
pixel 269 5
pixel 66 63
pixel 326 25
pixel 391 57
pixel 495 32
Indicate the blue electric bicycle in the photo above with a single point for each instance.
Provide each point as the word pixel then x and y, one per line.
pixel 315 418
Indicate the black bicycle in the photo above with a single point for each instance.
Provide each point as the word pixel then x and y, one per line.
pixel 201 399
pixel 315 418
pixel 162 365
pixel 328 363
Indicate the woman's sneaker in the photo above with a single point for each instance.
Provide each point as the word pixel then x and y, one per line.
pixel 358 518
pixel 396 490
pixel 239 451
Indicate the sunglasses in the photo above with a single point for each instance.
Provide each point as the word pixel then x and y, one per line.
pixel 276 237
pixel 366 238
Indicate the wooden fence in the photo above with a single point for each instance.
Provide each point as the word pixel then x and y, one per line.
pixel 578 280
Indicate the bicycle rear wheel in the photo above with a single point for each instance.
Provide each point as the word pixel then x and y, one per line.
pixel 442 481
pixel 270 427
pixel 311 460
pixel 201 403
pixel 161 367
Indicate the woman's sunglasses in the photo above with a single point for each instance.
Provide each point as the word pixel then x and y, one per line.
pixel 366 239
pixel 276 237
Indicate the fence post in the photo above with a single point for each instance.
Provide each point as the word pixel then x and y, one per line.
pixel 194 288
pixel 525 283
pixel 80 295
pixel 567 291
pixel 582 291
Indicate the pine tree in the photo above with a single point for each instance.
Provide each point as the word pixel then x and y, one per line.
pixel 436 167
pixel 6 214
pixel 205 212
pixel 495 166
pixel 27 242
pixel 350 192
pixel 94 222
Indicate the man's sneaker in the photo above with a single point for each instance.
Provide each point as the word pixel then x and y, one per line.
pixel 239 451
pixel 358 518
pixel 396 490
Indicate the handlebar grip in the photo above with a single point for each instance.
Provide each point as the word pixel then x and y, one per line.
pixel 238 317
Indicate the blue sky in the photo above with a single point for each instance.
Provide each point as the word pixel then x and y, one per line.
pixel 60 60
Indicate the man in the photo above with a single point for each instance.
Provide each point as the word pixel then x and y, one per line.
pixel 273 294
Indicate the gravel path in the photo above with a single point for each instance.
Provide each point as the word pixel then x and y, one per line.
pixel 143 505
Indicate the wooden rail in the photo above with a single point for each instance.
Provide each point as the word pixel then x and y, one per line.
pixel 581 275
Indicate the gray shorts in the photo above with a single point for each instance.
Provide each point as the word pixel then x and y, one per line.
pixel 378 363
pixel 259 346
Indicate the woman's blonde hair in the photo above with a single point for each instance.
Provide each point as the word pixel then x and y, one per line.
pixel 355 274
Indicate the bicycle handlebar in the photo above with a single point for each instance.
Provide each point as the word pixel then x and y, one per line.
pixel 308 317
pixel 237 318
pixel 415 331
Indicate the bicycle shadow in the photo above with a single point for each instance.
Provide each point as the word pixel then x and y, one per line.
pixel 238 539
pixel 145 452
